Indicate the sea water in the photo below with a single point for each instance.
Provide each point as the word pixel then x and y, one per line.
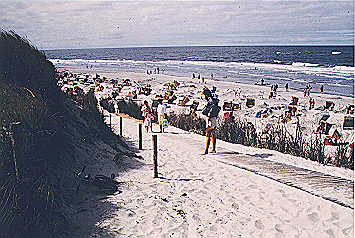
pixel 330 66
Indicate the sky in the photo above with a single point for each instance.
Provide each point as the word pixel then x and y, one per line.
pixel 58 24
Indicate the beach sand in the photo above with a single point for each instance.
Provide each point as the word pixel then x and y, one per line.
pixel 198 196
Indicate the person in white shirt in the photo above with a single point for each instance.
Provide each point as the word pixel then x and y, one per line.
pixel 161 110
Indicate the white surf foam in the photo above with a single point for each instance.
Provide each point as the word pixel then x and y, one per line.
pixel 344 72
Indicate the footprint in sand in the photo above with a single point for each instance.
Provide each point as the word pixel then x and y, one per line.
pixel 235 206
pixel 246 198
pixel 196 219
pixel 278 228
pixel 330 233
pixel 253 186
pixel 347 231
pixel 131 214
pixel 259 225
pixel 335 216
pixel 213 228
pixel 313 217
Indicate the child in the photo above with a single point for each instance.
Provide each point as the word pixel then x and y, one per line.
pixel 147 114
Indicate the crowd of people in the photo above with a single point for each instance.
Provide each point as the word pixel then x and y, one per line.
pixel 130 90
pixel 156 70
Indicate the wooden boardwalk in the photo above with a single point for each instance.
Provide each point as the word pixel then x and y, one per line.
pixel 332 188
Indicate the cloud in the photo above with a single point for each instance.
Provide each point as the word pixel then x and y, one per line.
pixel 95 23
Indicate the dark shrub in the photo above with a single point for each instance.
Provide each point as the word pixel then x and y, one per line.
pixel 188 122
pixel 22 64
pixel 130 108
pixel 107 105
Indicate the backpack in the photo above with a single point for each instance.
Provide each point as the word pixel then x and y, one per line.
pixel 206 110
pixel 214 111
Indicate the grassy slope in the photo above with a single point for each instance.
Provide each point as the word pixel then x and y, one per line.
pixel 36 182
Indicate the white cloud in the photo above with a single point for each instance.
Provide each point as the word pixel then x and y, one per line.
pixel 94 23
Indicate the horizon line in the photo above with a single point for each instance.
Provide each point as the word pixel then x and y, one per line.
pixel 179 46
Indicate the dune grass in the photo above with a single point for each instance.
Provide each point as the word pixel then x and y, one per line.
pixel 39 129
pixel 30 104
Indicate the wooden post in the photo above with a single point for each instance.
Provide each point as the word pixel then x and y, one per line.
pixel 140 136
pixel 14 129
pixel 110 122
pixel 121 126
pixel 155 155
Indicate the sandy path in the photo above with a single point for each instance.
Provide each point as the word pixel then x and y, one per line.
pixel 332 188
pixel 197 196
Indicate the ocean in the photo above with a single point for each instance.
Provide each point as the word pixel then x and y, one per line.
pixel 330 66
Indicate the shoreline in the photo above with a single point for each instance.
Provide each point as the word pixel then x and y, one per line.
pixel 220 78
pixel 83 70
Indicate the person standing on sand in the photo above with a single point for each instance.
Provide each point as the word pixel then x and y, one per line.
pixel 211 111
pixel 147 114
pixel 305 91
pixel 321 88
pixel 286 87
pixel 309 87
pixel 161 110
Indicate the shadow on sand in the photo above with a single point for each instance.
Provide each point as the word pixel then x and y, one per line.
pixel 92 206
pixel 180 179
pixel 262 156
